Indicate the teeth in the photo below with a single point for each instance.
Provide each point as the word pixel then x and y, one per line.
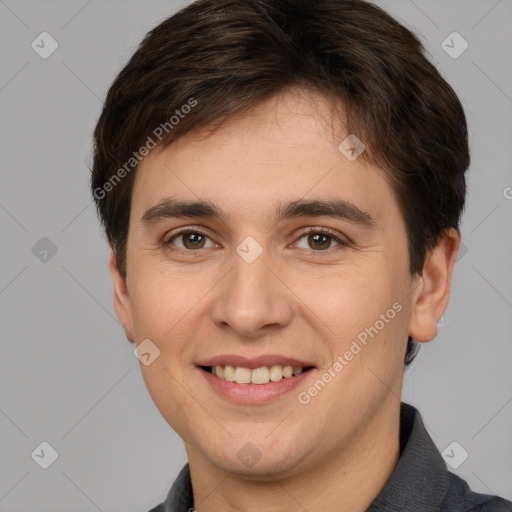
pixel 242 375
pixel 276 373
pixel 261 375
pixel 229 373
pixel 287 371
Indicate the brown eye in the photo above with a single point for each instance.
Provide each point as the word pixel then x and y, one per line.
pixel 319 241
pixel 190 240
pixel 193 240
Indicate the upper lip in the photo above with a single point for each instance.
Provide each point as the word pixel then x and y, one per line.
pixel 253 362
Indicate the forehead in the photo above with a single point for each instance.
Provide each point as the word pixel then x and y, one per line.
pixel 283 149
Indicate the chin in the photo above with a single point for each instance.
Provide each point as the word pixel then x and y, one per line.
pixel 260 460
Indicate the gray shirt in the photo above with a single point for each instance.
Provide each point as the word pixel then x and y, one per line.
pixel 420 481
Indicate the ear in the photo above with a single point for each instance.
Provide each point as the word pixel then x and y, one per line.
pixel 433 289
pixel 122 303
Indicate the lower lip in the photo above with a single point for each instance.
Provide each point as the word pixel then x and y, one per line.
pixel 254 393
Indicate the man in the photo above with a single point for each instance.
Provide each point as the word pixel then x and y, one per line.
pixel 281 183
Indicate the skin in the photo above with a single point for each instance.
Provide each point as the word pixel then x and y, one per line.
pixel 337 451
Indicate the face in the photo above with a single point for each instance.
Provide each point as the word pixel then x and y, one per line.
pixel 296 258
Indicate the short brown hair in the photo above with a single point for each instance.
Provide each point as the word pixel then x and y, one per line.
pixel 223 56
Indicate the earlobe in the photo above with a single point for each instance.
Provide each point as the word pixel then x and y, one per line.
pixel 433 290
pixel 122 303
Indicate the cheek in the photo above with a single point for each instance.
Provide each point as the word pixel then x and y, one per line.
pixel 348 297
pixel 174 405
pixel 150 306
pixel 363 314
pixel 161 300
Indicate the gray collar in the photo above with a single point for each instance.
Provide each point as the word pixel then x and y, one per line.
pixel 420 480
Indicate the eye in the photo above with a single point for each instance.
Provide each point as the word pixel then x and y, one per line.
pixel 320 239
pixel 190 239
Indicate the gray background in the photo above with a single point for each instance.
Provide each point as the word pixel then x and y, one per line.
pixel 68 376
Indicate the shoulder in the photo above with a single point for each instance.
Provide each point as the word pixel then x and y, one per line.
pixel 461 497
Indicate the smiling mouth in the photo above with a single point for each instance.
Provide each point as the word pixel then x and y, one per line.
pixel 261 375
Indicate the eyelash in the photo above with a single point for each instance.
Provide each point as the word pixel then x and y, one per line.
pixel 308 231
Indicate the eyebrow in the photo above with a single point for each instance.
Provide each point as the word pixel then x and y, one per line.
pixel 169 208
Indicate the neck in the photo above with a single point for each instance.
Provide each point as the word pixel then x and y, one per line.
pixel 349 480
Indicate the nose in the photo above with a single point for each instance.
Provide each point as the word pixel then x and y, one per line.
pixel 252 300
